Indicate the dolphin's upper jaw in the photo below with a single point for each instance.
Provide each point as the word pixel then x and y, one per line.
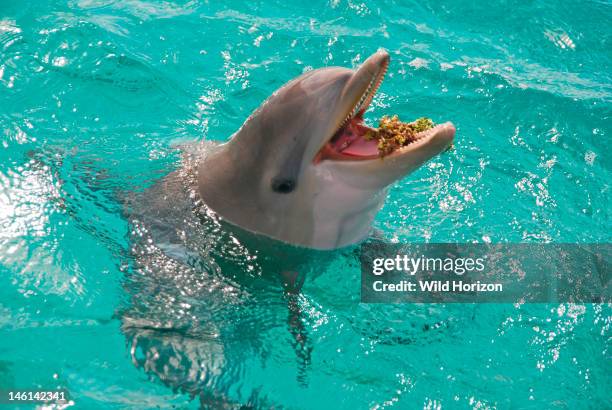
pixel 349 142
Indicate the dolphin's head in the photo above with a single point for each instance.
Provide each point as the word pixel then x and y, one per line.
pixel 301 168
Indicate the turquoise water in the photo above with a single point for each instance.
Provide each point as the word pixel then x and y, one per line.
pixel 96 95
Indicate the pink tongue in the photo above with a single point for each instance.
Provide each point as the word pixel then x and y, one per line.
pixel 362 148
pixel 351 142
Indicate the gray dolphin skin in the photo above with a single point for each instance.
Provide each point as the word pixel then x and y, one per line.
pixel 282 174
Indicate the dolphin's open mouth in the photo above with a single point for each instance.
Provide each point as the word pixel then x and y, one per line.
pixel 353 139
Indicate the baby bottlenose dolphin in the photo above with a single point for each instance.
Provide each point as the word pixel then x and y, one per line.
pixel 283 175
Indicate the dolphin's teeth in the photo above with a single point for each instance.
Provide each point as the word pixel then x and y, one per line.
pixel 426 133
pixel 366 97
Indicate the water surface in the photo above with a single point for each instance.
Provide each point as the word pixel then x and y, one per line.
pixel 96 95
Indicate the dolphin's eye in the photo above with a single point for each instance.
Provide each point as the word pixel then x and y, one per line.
pixel 283 185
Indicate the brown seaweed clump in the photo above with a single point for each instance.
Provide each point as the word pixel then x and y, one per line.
pixel 393 133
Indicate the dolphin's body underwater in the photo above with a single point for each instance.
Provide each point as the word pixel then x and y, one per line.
pixel 204 307
pixel 284 175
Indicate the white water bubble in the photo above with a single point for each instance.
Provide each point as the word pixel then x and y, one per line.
pixel 59 61
pixel 589 157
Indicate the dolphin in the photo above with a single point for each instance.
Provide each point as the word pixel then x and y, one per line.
pixel 283 174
